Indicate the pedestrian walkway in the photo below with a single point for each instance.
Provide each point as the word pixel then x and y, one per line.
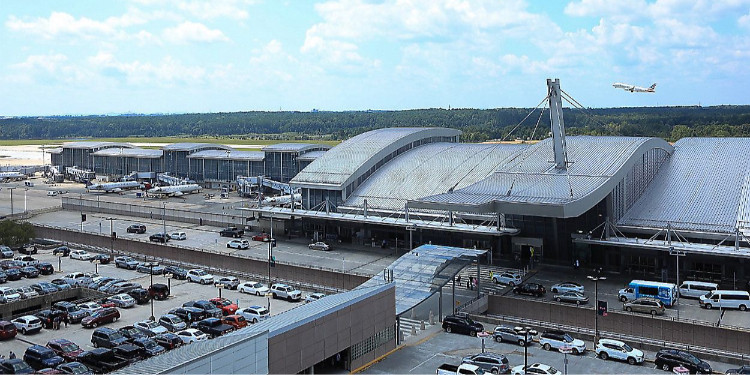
pixel 486 284
pixel 408 326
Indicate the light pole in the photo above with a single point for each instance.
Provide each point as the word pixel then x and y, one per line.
pixel 596 279
pixel 26 190
pixel 151 266
pixel 11 201
pixel 164 220
pixel 677 254
pixel 111 238
pixel 526 332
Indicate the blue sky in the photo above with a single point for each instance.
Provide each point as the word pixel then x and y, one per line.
pixel 176 56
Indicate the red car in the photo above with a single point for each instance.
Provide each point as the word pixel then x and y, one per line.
pixel 65 348
pixel 7 330
pixel 227 306
pixel 264 237
pixel 236 321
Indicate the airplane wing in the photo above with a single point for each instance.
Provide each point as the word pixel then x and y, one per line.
pixel 177 194
pixel 116 190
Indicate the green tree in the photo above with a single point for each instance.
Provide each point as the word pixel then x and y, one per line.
pixel 13 233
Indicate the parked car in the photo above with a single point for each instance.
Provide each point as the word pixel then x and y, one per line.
pixel 199 276
pixel 507 278
pixel 285 291
pixel 48 316
pixel 126 262
pixel 39 357
pixel 180 236
pixel 75 313
pixel 66 349
pixel 556 339
pixel 158 292
pixel 8 330
pixel 15 366
pixel 13 274
pixel 225 304
pixel 74 368
pixel 3 277
pixel 461 324
pixel 61 250
pixel 101 316
pixel 101 258
pixel 28 248
pixel 123 287
pixel 319 246
pixel 228 282
pixel 149 346
pixel 78 279
pixel 45 288
pixel 105 337
pixel 532 289
pixel 27 260
pixel 567 286
pixel 45 268
pixel 29 272
pixel 213 327
pixel 667 359
pixel 91 307
pixel 150 327
pixel 145 268
pixel 254 314
pixel 101 360
pixel 6 252
pixel 253 287
pixel 209 308
pixel 514 335
pixel 99 281
pixel 159 237
pixel 536 369
pixel 191 335
pixel 645 305
pixel 172 322
pixel 122 300
pixel 489 362
pixel 572 297
pixel 128 352
pixel 237 321
pixel 168 340
pixel 80 255
pixel 176 272
pixel 136 228
pixel 238 244
pixel 27 324
pixel 27 292
pixel 314 297
pixel 744 369
pixel 615 349
pixel 140 295
pixel 232 232
pixel 262 237
pixel 189 314
pixel 132 333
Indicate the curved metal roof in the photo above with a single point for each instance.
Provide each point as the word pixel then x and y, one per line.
pixel 95 144
pixel 530 185
pixel 194 146
pixel 294 147
pixel 704 186
pixel 350 159
pixel 309 156
pixel 228 155
pixel 140 153
pixel 431 169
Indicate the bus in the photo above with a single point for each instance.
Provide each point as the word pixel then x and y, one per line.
pixel 665 292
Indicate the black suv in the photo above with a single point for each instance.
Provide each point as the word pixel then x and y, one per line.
pixel 176 272
pixel 107 338
pixel 532 289
pixel 232 232
pixel 62 250
pixel 461 324
pixel 137 228
pixel 210 309
pixel 40 357
pixel 158 291
pixel 45 268
pixel 75 313
pixel 140 295
pixel 159 237
pixel 667 359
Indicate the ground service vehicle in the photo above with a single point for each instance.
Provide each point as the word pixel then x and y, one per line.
pixel 667 293
pixel 464 368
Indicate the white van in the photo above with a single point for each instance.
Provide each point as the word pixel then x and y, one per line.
pixel 728 299
pixel 51 193
pixel 695 289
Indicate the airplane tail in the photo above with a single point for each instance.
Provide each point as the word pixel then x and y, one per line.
pixel 652 87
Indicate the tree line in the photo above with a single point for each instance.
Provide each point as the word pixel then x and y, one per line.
pixel 670 123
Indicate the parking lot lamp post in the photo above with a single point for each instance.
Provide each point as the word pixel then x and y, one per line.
pixel 24 200
pixel 164 220
pixel 151 266
pixel 525 334
pixel 596 280
pixel 11 201
pixel 111 238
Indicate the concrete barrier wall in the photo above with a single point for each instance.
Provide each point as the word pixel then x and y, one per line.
pixel 208 259
pixel 11 310
pixel 656 328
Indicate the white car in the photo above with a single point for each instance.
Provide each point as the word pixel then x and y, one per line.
pixel 81 255
pixel 11 294
pixel 91 307
pixel 122 300
pixel 567 286
pixel 200 276
pixel 150 327
pixel 27 324
pixel 178 236
pixel 238 244
pixel 253 287
pixel 78 279
pixel 508 278
pixel 254 314
pixel 536 368
pixel 192 335
pixel 286 292
pixel 314 297
pixel 27 292
pixel 615 349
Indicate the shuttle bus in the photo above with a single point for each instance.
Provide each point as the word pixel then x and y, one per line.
pixel 665 292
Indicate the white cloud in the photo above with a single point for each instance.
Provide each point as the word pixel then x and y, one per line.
pixel 188 32
pixel 166 72
pixel 744 21
pixel 62 24
pixel 216 9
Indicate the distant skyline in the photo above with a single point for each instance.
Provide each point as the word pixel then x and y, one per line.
pixel 188 56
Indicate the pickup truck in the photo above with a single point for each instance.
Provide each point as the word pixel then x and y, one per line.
pixel 464 368
pixel 213 327
pixel 232 232
pixel 101 360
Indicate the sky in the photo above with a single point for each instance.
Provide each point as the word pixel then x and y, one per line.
pixel 187 56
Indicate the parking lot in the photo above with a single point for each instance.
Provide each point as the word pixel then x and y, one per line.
pixel 181 291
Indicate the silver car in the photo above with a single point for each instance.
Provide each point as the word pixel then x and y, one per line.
pixel 645 305
pixel 572 297
pixel 567 286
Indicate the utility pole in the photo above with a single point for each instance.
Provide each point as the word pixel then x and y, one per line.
pixel 596 280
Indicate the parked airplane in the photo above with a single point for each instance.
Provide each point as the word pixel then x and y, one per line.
pixel 114 187
pixel 633 88
pixel 12 176
pixel 283 200
pixel 176 190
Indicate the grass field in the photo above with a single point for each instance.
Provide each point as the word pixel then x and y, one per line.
pixel 234 141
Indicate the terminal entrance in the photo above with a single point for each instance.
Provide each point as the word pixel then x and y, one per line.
pixel 527 251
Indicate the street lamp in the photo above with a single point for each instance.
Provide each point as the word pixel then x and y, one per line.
pixel 596 280
pixel 526 331
pixel 677 254
pixel 151 266
pixel 11 201
pixel 164 220
pixel 111 238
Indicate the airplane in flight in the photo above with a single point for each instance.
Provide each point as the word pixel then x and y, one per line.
pixel 175 190
pixel 12 176
pixel 633 88
pixel 114 187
